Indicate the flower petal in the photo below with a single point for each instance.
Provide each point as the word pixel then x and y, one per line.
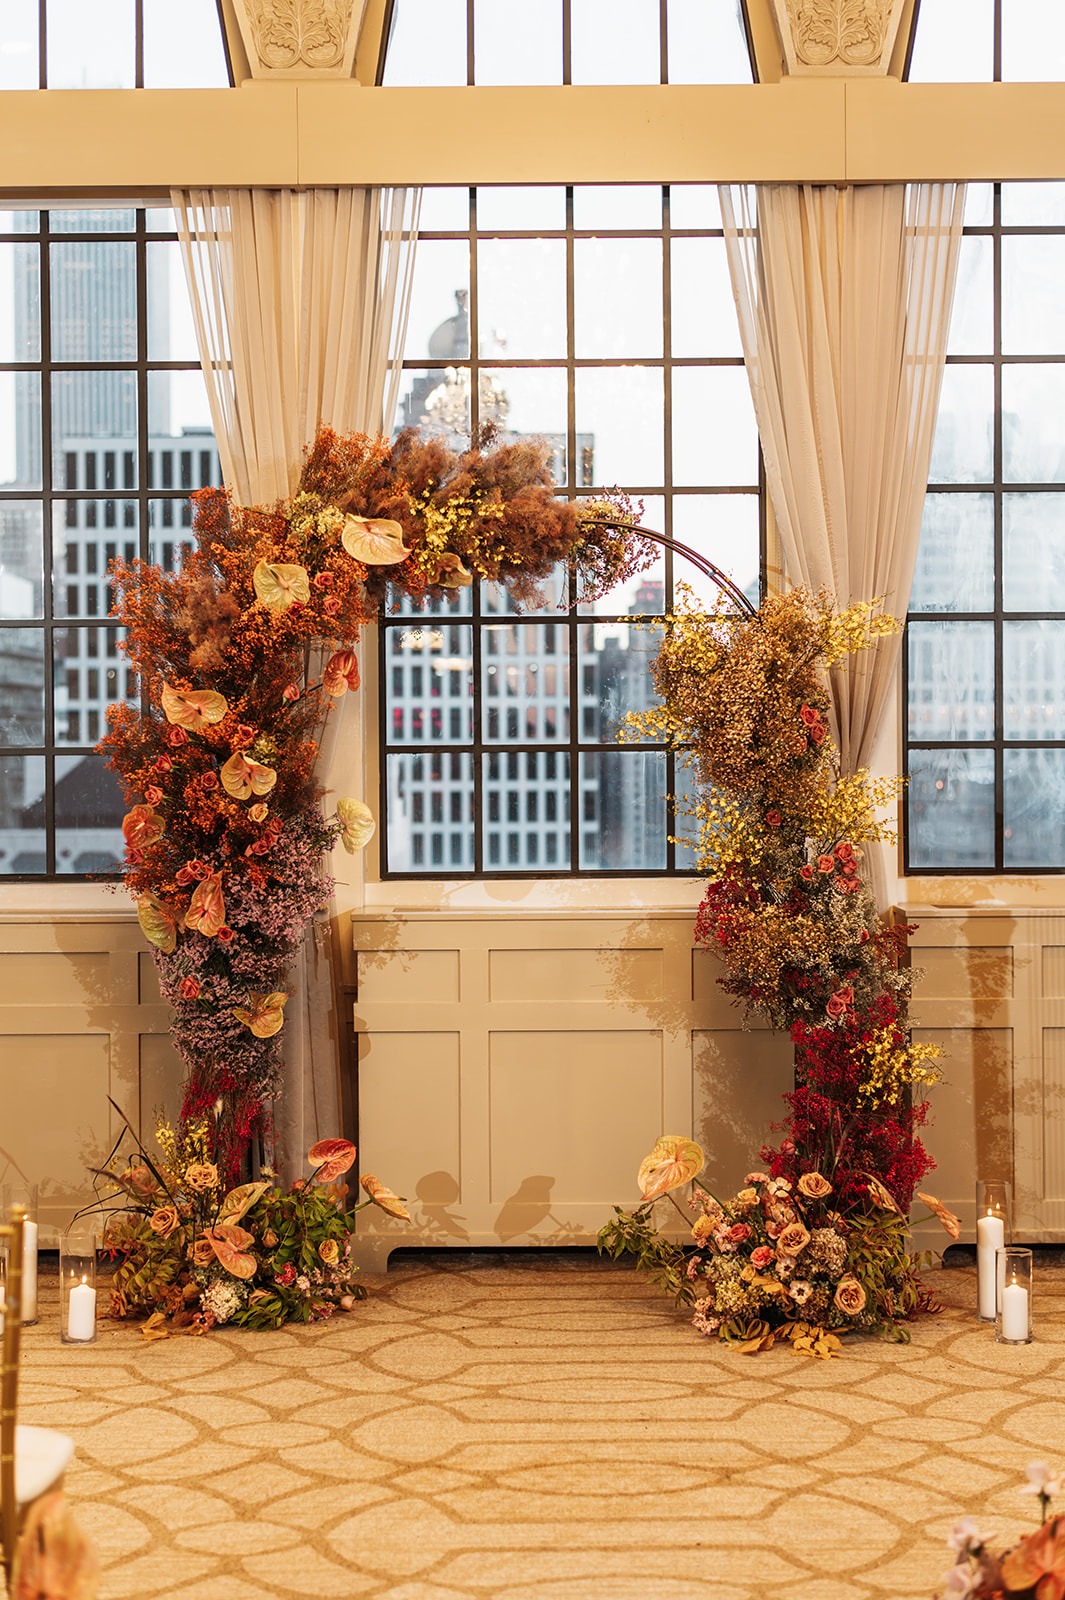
pixel 265 1016
pixel 357 825
pixel 384 1197
pixel 938 1209
pixel 278 585
pixel 157 925
pixel 341 672
pixel 193 708
pixel 673 1161
pixel 375 541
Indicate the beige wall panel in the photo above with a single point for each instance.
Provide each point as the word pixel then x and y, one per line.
pixel 409 977
pixel 148 980
pixel 738 1080
pixel 31 978
pixel 970 1129
pixel 161 1078
pixel 56 1120
pixel 976 973
pixel 550 1092
pixel 409 1113
pixel 1052 1101
pixel 1054 972
pixel 585 976
pixel 716 1008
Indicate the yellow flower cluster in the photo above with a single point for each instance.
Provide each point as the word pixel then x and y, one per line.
pixel 452 527
pixel 857 627
pixel 891 1067
pixel 847 810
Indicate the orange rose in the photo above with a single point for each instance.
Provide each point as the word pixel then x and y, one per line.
pixel 849 1297
pixel 202 1254
pixel 164 1220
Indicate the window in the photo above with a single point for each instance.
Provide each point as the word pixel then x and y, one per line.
pixel 982 41
pixel 98 376
pixel 113 44
pixel 599 319
pixel 986 629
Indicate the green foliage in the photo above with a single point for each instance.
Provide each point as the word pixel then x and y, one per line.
pixel 633 1233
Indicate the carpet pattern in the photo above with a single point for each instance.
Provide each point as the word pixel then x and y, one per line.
pixel 512 1428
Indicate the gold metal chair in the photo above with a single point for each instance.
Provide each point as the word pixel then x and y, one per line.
pixel 32 1460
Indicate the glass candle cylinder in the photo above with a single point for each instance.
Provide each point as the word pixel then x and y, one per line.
pixel 992 1233
pixel 1013 1324
pixel 77 1286
pixel 25 1194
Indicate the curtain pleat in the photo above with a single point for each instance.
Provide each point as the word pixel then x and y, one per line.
pixel 300 303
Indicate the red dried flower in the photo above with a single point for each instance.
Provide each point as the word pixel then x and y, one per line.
pixel 225 934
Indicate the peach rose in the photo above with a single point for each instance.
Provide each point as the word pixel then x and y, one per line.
pixel 164 1220
pixel 747 1198
pixel 258 811
pixel 793 1239
pixel 817 734
pixel 189 988
pixel 834 1006
pixel 849 1297
pixel 806 872
pixel 809 716
pixel 761 1257
pixel 826 863
pixel 814 1186
pixel 202 1254
pixel 202 1175
pixel 329 1251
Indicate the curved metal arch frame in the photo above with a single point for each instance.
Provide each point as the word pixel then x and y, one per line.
pixel 700 562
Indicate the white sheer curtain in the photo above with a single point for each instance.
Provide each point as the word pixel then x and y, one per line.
pixel 300 302
pixel 844 298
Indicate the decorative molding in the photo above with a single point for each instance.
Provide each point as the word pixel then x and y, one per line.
pixel 300 38
pixel 837 38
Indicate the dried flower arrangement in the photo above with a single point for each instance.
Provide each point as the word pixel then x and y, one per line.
pixel 240 655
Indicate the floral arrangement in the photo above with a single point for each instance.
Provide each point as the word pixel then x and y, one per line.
pixel 796 1262
pixel 745 700
pixel 240 655
pixel 1033 1569
pixel 190 1253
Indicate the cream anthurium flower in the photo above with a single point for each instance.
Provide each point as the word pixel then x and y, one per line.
pixel 357 824
pixel 193 708
pixel 673 1161
pixel 375 541
pixel 279 585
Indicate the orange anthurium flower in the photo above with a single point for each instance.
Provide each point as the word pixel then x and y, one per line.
pixel 375 541
pixel 384 1197
pixel 193 708
pixel 450 573
pixel 265 1015
pixel 242 777
pixel 331 1157
pixel 207 912
pixel 880 1196
pixel 279 585
pixel 341 673
pixel 228 1243
pixel 141 827
pixel 938 1209
pixel 1038 1562
pixel 157 924
pixel 673 1161
pixel 357 825
pixel 239 1201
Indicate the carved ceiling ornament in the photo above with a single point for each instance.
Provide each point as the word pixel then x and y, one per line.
pixel 835 38
pixel 300 38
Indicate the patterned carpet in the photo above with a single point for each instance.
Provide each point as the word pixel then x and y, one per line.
pixel 522 1428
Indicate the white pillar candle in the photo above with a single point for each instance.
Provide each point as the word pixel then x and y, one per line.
pixel 990 1236
pixel 1014 1311
pixel 29 1271
pixel 81 1312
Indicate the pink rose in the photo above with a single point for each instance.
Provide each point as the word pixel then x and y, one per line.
pixel 331 606
pixel 244 734
pixel 738 1232
pixel 225 934
pixel 817 734
pixel 809 716
pixel 806 873
pixel 199 869
pixel 846 994
pixel 323 580
pixel 826 863
pixel 290 692
pixel 189 988
pixel 209 781
pixel 761 1257
pixel 162 764
pixel 177 736
pixel 834 1006
pixel 153 795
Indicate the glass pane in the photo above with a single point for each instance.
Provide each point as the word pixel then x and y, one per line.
pixel 429 685
pixel 439 324
pixel 517 44
pixel 622 811
pixel 615 676
pixel 972 317
pixel 171 332
pixel 525 682
pixel 1033 41
pixel 615 41
pixel 21 684
pixel 603 207
pixel 617 292
pixel 954 42
pixel 170 532
pixel 178 405
pixel 1033 446
pixel 499 601
pixel 703 312
pixel 644 593
pixel 979 205
pixel 724 450
pixel 522 284
pixel 950 802
pixel 956 558
pixel 952 680
pixel 92 219
pixel 88 814
pixel 694 205
pixel 427 44
pixel 1028 205
pixel 532 206
pixel 21 559
pixel 183 49
pixel 1033 784
pixel 19 68
pixel 529 402
pixel 94 301
pixel 707 43
pixel 1033 552
pixel 89 673
pixel 20 430
pixel 90 44
pixel 94 430
pixel 526 811
pixel 20 302
pixel 1033 312
pixel 430 812
pixel 22 815
pixel 456 603
pixel 618 412
pixel 684 823
pixel 444 211
pixel 160 219
pixel 86 536
pixel 1033 680
pixel 725 529
pixel 962 450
